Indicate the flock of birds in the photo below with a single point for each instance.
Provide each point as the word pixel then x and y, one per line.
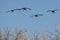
pixel 36 15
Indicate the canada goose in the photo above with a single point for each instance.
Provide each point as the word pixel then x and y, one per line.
pixel 37 15
pixel 24 9
pixel 10 11
pixel 53 11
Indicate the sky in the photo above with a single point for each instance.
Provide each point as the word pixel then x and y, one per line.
pixel 23 19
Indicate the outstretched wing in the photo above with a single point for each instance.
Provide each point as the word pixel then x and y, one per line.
pixel 10 11
pixel 17 9
pixel 56 9
pixel 49 10
pixel 40 14
pixel 32 16
pixel 29 8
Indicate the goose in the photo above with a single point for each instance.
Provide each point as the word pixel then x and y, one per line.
pixel 24 9
pixel 53 11
pixel 37 15
pixel 10 11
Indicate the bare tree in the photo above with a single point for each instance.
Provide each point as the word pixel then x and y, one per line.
pixel 1 34
pixel 7 34
pixel 20 35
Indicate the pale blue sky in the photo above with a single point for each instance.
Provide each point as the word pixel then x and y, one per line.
pixel 23 19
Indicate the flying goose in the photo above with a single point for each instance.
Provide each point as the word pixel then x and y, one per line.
pixel 37 15
pixel 24 9
pixel 53 11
